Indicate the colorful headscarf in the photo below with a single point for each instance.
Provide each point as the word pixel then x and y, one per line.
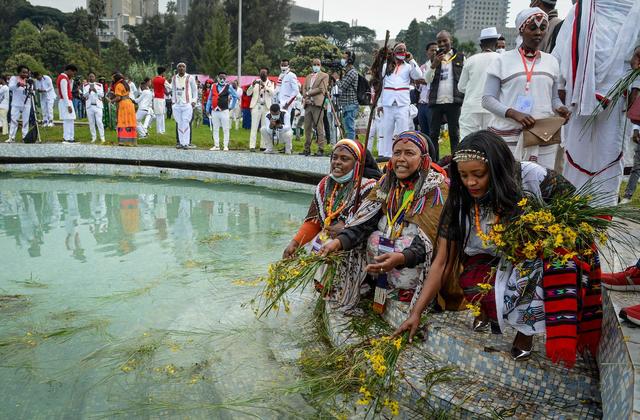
pixel 531 14
pixel 420 140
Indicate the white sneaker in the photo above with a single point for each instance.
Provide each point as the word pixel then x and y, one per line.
pixel 93 140
pixel 215 148
pixel 102 140
pixel 10 140
pixel 226 149
pixel 625 201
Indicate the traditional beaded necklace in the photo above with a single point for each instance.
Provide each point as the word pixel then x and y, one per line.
pixel 485 237
pixel 329 209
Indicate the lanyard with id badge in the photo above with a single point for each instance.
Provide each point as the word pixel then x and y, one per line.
pixel 386 245
pixel 524 103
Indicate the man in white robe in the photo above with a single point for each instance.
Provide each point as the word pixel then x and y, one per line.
pixel 594 47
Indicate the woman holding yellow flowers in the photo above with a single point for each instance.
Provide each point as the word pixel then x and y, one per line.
pixel 398 221
pixel 333 202
pixel 487 196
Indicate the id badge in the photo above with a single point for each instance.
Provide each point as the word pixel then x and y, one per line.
pixel 524 104
pixel 317 244
pixel 444 74
pixel 386 245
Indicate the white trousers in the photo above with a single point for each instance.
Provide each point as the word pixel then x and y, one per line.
pixel 46 104
pixel 376 132
pixel 183 113
pixel 257 114
pixel 236 116
pixel 283 136
pixel 16 112
pixel 4 121
pixel 220 119
pixel 395 120
pixel 470 122
pixel 143 117
pixel 595 147
pixel 159 111
pixel 67 120
pixel 94 115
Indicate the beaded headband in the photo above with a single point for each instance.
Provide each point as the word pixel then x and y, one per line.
pixel 467 155
pixel 538 19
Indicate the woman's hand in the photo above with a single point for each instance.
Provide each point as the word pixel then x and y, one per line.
pixel 564 112
pixel 335 229
pixel 290 249
pixel 386 262
pixel 526 120
pixel 333 245
pixel 411 324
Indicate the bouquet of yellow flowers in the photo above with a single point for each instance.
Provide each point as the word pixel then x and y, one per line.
pixel 565 227
pixel 291 274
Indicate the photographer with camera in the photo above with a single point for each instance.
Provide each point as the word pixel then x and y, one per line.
pixel 21 87
pixel 395 99
pixel 261 92
pixel 314 92
pixel 348 98
pixel 276 127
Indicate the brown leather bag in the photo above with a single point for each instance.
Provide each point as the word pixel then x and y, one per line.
pixel 545 132
pixel 634 111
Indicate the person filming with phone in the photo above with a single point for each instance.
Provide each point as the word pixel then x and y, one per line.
pixel 444 98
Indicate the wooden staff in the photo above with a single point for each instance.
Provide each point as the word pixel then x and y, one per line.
pixel 374 106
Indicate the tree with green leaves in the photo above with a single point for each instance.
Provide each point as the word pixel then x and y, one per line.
pixel 254 58
pixel 261 19
pixel 21 58
pixel 187 43
pixel 148 41
pixel 308 48
pixel 80 27
pixel 359 39
pixel 116 56
pixel 412 37
pixel 216 52
pixel 55 49
pixel 25 39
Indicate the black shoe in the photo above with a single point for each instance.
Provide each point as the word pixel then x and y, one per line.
pixel 252 150
pixel 304 153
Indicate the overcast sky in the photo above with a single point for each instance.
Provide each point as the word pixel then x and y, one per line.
pixel 376 14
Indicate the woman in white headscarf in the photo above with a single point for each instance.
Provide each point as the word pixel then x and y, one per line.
pixel 522 88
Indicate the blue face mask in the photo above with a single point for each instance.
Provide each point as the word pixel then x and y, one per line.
pixel 344 178
pixel 343 62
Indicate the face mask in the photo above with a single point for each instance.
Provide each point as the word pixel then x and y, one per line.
pixel 500 50
pixel 284 69
pixel 401 57
pixel 222 80
pixel 343 62
pixel 315 69
pixel 344 178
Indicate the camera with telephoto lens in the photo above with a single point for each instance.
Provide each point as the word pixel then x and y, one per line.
pixel 331 61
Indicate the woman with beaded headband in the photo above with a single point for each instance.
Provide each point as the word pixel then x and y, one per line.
pixel 522 87
pixel 486 186
pixel 398 221
pixel 333 202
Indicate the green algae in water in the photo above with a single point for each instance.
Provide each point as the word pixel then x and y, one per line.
pixel 31 283
pixel 144 271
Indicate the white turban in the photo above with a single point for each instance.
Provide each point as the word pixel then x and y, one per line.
pixel 526 14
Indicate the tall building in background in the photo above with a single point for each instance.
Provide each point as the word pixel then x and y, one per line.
pixel 119 13
pixel 183 7
pixel 471 16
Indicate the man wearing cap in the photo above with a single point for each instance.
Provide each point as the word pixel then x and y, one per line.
pixel 218 106
pixel 473 116
pixel 594 48
pixel 555 23
pixel 184 94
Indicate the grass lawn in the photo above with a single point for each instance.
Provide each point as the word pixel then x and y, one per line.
pixel 201 137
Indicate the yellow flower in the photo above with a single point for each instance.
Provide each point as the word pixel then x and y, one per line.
pixel 498 227
pixel 603 238
pixel 555 229
pixel 398 343
pixel 363 401
pixel 522 202
pixel 485 286
pixel 538 228
pixel 559 240
pixel 586 228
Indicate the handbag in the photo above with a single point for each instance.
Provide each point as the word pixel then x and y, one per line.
pixel 634 111
pixel 545 132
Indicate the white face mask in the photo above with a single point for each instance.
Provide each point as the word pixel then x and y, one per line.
pixel 315 69
pixel 500 50
pixel 284 69
pixel 343 62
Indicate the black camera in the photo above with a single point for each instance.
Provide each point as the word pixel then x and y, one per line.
pixel 30 81
pixel 332 62
pixel 439 51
